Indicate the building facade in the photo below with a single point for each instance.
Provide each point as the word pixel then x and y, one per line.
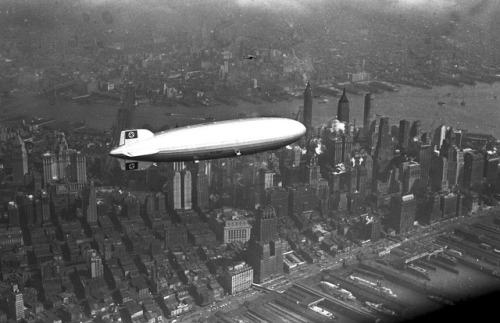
pixel 238 278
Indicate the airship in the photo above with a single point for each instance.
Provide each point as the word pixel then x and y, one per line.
pixel 139 148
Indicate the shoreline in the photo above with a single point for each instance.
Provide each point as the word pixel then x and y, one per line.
pixel 477 113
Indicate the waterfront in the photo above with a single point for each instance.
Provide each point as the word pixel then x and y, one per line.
pixel 480 113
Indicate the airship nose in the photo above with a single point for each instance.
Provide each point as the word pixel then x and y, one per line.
pixel 298 127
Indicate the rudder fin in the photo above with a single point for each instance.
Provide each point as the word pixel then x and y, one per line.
pixel 133 135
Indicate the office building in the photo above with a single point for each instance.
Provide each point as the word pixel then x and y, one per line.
pixel 334 143
pixel 403 212
pixel 64 163
pixel 13 214
pixel 291 175
pixel 312 172
pixel 45 216
pixel 237 278
pixel 404 133
pixel 16 304
pixel 410 173
pixel 92 204
pixel 455 165
pixel 473 168
pixel 346 148
pixel 491 162
pixel 266 259
pixel 230 225
pixel 384 150
pixel 19 161
pixel 448 205
pixel 277 198
pixel 29 209
pixel 203 184
pixel 424 159
pixel 266 177
pixel 343 108
pixel 179 189
pixel 94 263
pixel 439 137
pixel 438 173
pixel 266 224
pixel 302 198
pixel 366 112
pixel 308 101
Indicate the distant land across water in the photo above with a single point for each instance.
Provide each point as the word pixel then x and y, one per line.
pixel 476 108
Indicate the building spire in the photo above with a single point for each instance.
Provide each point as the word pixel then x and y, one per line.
pixel 343 98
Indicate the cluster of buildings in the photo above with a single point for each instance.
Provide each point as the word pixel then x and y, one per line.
pixel 181 235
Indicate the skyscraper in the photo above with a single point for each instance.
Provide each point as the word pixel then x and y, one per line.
pixel 278 198
pixel 179 189
pixel 202 185
pixel 438 173
pixel 16 304
pixel 94 263
pixel 187 190
pixel 308 97
pixel 92 206
pixel 439 136
pixel 409 172
pixel 473 168
pixel 384 150
pixel 366 112
pixel 13 214
pixel 266 249
pixel 64 163
pixel 424 159
pixel 45 216
pixel 403 212
pixel 265 179
pixel 19 161
pixel 266 222
pixel 404 133
pixel 343 108
pixel 346 148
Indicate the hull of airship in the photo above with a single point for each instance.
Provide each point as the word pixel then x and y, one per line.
pixel 210 140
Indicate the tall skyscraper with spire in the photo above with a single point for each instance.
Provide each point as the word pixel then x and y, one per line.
pixel 308 96
pixel 19 161
pixel 343 108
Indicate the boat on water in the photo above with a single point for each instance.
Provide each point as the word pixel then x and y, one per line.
pixel 323 312
pixel 380 308
pixel 335 290
pixel 440 300
pixel 373 285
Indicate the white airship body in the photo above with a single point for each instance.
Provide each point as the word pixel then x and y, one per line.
pixel 206 141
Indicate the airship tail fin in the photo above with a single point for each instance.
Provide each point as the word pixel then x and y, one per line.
pixel 133 165
pixel 133 135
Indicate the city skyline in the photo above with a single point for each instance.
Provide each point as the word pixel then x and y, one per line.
pixel 386 209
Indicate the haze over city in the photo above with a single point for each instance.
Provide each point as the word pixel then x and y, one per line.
pixel 249 160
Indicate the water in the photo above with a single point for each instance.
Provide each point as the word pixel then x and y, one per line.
pixel 480 113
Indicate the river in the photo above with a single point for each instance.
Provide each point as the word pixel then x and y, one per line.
pixel 481 112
